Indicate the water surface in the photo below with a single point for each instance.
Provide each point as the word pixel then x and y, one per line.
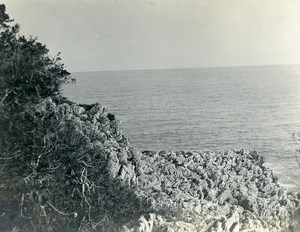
pixel 206 108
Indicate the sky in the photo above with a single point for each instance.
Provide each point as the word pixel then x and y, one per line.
pixel 96 35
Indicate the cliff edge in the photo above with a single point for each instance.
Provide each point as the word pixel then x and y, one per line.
pixel 84 175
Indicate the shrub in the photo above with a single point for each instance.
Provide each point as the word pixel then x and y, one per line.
pixel 27 75
pixel 27 71
pixel 63 166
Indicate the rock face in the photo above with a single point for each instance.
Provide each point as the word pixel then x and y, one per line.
pixel 76 170
pixel 231 191
pixel 84 175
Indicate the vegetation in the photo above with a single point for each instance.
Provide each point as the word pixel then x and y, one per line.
pixel 27 76
pixel 58 160
pixel 68 167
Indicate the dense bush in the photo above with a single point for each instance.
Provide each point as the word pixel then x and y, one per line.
pixel 27 75
pixel 27 72
pixel 61 163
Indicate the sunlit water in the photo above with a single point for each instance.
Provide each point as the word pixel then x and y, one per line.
pixel 201 109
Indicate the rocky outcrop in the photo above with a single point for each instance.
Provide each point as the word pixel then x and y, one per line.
pixel 231 191
pixel 76 171
pixel 84 175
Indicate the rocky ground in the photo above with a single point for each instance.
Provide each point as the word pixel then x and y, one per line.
pixel 87 176
pixel 208 191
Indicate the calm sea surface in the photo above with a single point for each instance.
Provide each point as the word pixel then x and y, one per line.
pixel 206 108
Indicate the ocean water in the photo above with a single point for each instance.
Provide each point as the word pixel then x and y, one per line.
pixel 255 108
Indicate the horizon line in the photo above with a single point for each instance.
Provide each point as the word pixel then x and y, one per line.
pixel 199 67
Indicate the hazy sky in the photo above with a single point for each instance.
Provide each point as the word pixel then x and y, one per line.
pixel 138 34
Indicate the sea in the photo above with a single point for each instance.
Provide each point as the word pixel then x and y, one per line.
pixel 251 108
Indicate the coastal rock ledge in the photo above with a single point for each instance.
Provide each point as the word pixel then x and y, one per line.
pixel 85 176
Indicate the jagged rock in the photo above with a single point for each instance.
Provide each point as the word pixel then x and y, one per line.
pixel 156 223
pixel 95 109
pixel 232 224
pixel 202 181
pixel 149 191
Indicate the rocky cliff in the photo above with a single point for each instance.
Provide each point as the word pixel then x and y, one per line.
pixel 84 175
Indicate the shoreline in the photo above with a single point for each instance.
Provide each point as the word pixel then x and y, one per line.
pixel 201 191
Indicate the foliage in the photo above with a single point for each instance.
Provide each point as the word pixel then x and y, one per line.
pixel 27 72
pixel 59 161
pixel 27 75
pixel 64 179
